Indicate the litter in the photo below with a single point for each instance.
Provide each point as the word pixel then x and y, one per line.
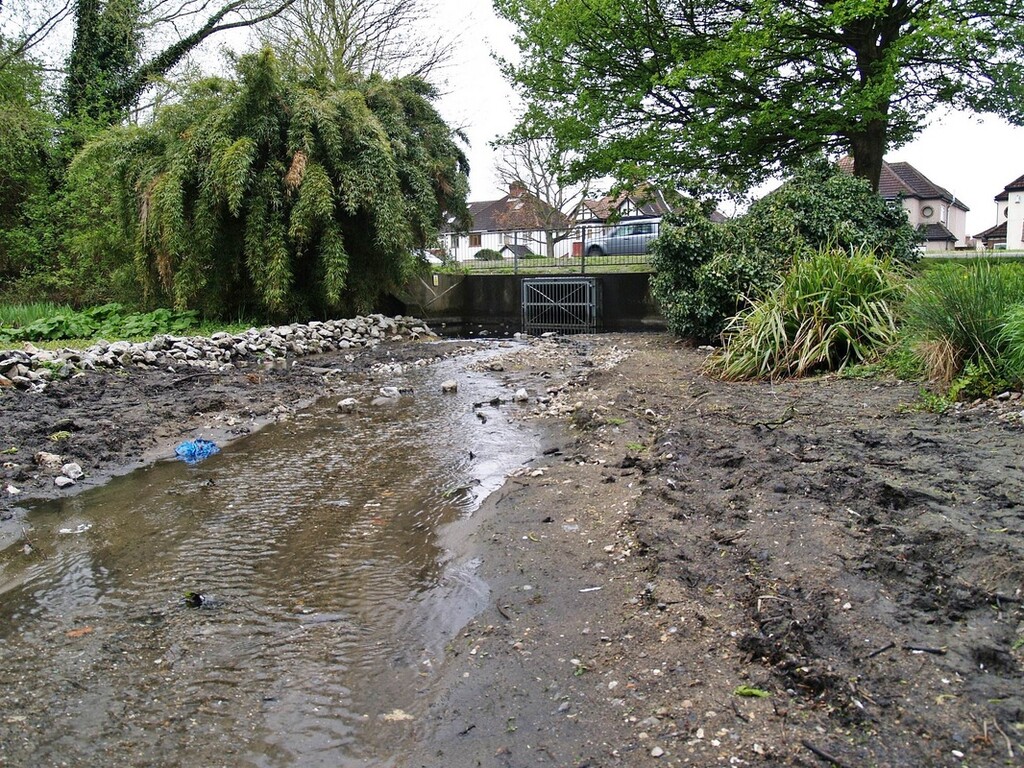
pixel 194 451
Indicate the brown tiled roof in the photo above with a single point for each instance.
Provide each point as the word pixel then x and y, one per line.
pixel 1012 186
pixel 998 232
pixel 903 179
pixel 649 200
pixel 933 232
pixel 515 211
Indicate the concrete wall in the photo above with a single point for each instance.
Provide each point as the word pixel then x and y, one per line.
pixel 495 301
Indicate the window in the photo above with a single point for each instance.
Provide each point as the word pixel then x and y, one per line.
pixel 474 239
pixel 455 241
pixel 927 211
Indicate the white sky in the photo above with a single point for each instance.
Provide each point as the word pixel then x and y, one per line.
pixel 973 157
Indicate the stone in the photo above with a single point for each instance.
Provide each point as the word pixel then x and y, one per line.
pixel 521 396
pixel 72 470
pixel 348 405
pixel 450 385
pixel 390 393
pixel 62 481
pixel 48 460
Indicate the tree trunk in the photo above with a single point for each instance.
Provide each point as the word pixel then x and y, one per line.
pixel 868 148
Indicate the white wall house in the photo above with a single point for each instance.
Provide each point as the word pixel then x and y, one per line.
pixel 930 208
pixel 1008 232
pixel 518 220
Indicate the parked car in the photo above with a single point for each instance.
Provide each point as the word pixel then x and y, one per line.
pixel 633 237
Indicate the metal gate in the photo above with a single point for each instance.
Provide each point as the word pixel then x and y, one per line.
pixel 562 304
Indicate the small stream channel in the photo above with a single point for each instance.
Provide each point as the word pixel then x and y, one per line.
pixel 334 554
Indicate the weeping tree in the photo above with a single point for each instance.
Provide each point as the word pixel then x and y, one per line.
pixel 280 193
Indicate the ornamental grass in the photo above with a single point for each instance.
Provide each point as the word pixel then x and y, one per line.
pixel 832 308
pixel 967 315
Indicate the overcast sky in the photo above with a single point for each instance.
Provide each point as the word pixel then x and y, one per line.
pixel 973 157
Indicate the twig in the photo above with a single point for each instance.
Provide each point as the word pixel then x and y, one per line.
pixel 501 610
pixel 878 651
pixel 739 714
pixel 925 649
pixel 201 374
pixel 1009 744
pixel 823 754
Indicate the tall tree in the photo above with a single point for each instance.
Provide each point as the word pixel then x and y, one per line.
pixel 387 37
pixel 25 130
pixel 550 203
pixel 282 193
pixel 729 91
pixel 119 47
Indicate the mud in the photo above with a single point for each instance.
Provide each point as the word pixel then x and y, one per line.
pixel 696 573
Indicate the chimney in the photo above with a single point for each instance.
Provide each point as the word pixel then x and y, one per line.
pixel 516 189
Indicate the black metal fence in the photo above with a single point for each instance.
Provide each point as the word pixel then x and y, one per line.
pixel 624 246
pixel 561 304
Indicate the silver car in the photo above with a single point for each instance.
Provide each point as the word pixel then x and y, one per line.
pixel 630 238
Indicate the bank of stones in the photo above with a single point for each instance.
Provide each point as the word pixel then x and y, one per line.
pixel 32 368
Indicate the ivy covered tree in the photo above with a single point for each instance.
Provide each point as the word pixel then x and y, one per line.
pixel 729 92
pixel 25 130
pixel 280 193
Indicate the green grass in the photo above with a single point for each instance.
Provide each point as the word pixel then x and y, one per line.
pixel 543 265
pixel 20 315
pixel 956 313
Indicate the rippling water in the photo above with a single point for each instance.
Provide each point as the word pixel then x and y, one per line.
pixel 331 590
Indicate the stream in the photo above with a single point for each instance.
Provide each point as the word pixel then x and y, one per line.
pixel 330 559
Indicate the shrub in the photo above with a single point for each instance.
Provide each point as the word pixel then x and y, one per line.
pixel 960 318
pixel 706 273
pixel 487 254
pixel 831 309
pixel 108 321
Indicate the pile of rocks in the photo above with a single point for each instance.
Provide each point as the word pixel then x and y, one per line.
pixel 33 368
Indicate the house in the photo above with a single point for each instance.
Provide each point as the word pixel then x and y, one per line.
pixel 930 208
pixel 644 202
pixel 1008 233
pixel 519 220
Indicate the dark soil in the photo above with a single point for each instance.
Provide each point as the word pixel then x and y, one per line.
pixel 805 573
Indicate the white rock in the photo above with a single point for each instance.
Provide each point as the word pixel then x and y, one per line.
pixel 521 396
pixel 348 405
pixel 63 482
pixel 450 385
pixel 72 470
pixel 657 752
pixel 390 392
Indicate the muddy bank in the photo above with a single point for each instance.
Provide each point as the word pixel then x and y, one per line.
pixel 806 573
pixel 692 573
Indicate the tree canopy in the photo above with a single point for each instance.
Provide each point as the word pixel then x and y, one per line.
pixel 725 93
pixel 281 193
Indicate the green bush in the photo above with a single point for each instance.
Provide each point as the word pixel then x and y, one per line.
pixel 105 321
pixel 832 308
pixel 705 273
pixel 487 254
pixel 962 320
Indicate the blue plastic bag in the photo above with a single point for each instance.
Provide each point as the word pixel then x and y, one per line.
pixel 194 451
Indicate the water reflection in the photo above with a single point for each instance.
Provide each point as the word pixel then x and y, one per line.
pixel 328 596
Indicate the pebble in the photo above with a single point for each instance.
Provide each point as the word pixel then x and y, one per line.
pixel 657 752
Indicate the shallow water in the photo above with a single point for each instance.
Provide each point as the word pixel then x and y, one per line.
pixel 333 558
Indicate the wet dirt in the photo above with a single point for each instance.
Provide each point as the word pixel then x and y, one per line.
pixel 804 573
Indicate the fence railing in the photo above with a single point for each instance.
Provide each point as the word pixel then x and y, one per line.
pixel 620 247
